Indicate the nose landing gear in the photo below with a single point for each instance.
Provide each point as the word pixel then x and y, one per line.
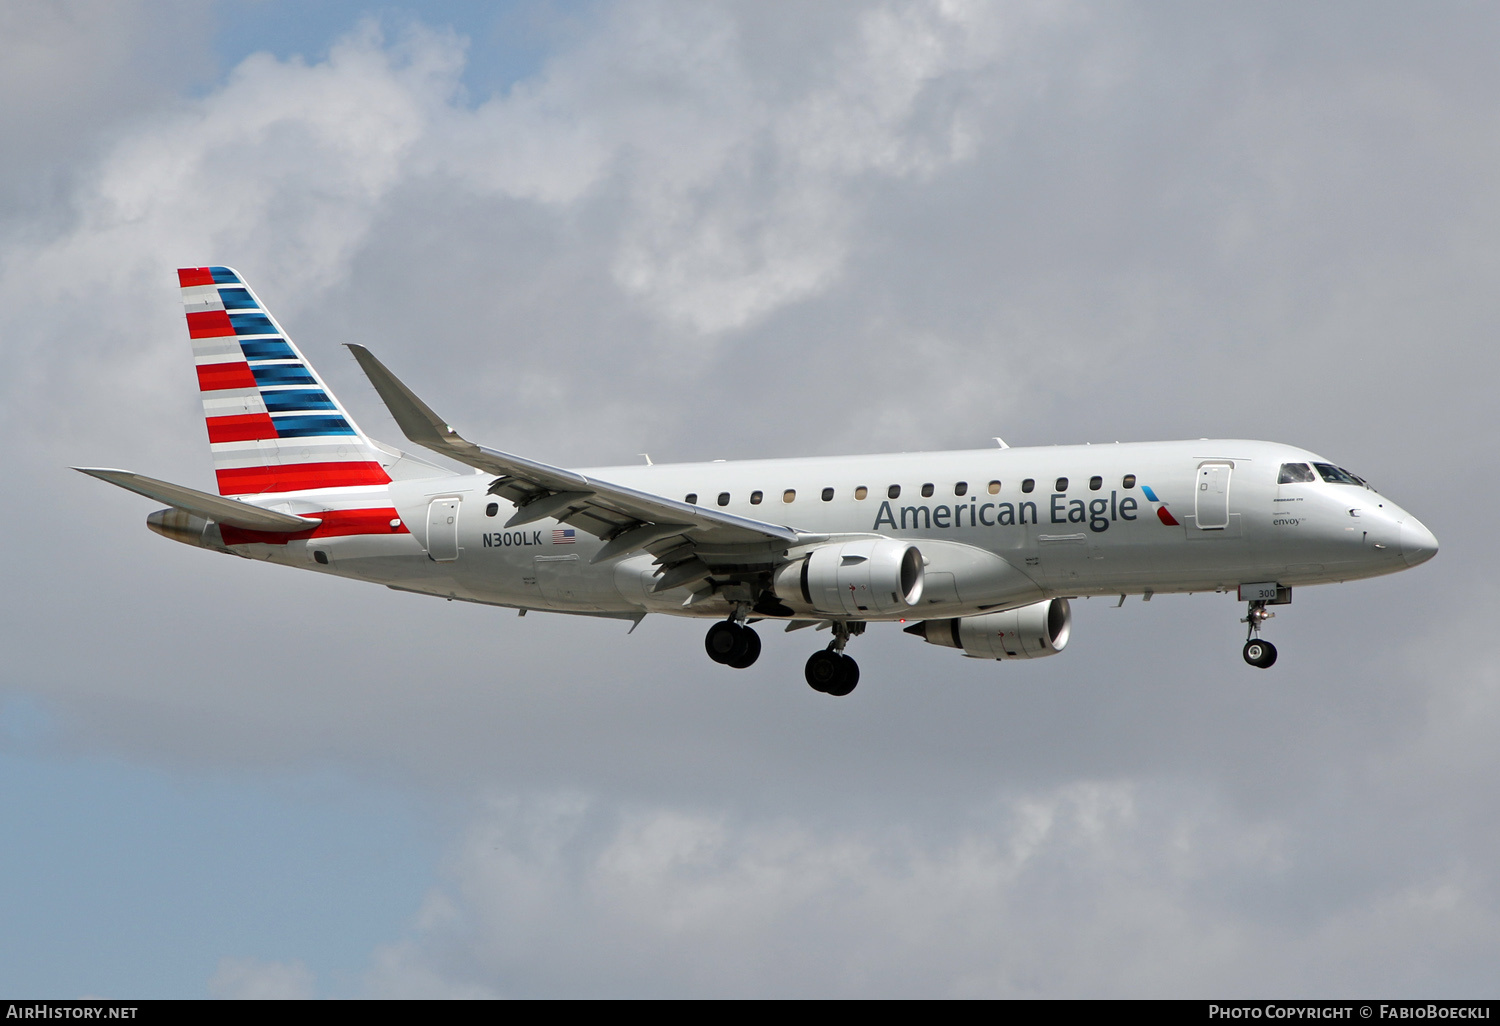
pixel 1258 653
pixel 831 671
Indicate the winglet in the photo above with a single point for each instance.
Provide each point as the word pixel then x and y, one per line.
pixel 415 418
pixel 211 507
pixel 563 488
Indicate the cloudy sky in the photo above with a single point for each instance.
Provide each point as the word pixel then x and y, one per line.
pixel 718 230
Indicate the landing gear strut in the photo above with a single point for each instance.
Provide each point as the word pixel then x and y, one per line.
pixel 831 671
pixel 1257 652
pixel 732 644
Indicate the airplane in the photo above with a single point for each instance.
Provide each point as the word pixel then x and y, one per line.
pixel 977 550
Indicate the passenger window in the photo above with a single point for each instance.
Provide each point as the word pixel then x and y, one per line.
pixel 1062 485
pixel 1028 484
pixel 994 487
pixel 962 488
pixel 755 497
pixel 492 509
pixel 861 492
pixel 723 498
pixel 893 492
pixel 790 495
pixel 1096 483
pixel 827 494
pixel 1129 481
pixel 1295 473
pixel 691 498
pixel 927 491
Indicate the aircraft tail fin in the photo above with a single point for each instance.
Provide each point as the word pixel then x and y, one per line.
pixel 273 425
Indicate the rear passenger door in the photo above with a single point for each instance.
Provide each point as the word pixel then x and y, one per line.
pixel 442 530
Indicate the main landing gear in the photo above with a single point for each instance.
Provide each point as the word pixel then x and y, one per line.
pixel 831 671
pixel 1257 652
pixel 732 644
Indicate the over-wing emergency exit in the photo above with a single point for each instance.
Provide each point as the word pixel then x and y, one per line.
pixel 977 550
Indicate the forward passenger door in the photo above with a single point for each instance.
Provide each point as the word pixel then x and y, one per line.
pixel 1212 498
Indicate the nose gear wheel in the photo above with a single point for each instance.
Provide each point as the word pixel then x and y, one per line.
pixel 1258 653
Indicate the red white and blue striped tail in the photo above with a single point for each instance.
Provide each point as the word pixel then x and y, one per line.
pixel 273 425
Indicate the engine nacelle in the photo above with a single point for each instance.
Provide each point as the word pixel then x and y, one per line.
pixel 1030 632
pixel 860 578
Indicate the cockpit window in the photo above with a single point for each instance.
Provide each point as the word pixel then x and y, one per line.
pixel 1295 473
pixel 1338 475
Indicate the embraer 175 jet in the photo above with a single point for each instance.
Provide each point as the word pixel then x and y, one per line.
pixel 977 550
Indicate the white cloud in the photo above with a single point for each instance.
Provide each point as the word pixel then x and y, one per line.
pixel 284 165
pixel 747 209
pixel 710 207
pixel 282 168
pixel 1090 889
pixel 736 206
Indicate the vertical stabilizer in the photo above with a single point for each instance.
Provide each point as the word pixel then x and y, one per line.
pixel 273 425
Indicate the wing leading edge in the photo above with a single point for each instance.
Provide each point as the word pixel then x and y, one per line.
pixel 691 543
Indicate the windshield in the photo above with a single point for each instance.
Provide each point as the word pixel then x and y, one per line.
pixel 1296 473
pixel 1338 475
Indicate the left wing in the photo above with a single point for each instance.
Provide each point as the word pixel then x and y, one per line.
pixel 691 543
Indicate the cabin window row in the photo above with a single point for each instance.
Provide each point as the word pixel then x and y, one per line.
pixel 928 490
pixel 893 492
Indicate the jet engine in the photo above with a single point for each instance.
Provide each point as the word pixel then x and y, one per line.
pixel 1030 632
pixel 860 578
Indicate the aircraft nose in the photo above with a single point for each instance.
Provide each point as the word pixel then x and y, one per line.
pixel 1418 544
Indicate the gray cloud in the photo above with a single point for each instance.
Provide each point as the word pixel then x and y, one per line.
pixel 700 233
pixel 71 72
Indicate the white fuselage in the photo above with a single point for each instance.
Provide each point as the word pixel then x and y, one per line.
pixel 1228 522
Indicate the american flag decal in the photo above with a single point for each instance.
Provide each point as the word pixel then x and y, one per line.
pixel 564 536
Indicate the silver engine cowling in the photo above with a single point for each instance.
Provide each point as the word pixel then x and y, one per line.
pixel 860 578
pixel 1030 632
pixel 188 528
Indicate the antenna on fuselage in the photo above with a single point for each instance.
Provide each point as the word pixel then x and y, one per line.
pixel 1001 442
pixel 647 456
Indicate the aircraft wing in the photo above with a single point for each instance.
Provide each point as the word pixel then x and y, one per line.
pixel 211 507
pixel 628 519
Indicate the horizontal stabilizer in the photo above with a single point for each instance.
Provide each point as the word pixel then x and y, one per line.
pixel 212 507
